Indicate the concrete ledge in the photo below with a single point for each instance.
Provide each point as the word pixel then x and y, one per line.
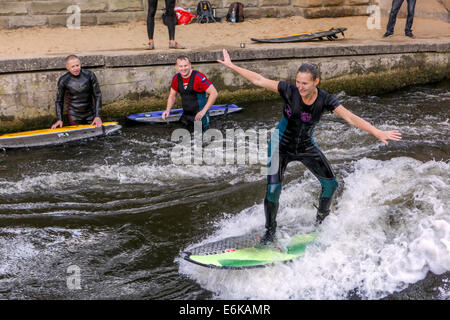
pixel 123 59
pixel 46 63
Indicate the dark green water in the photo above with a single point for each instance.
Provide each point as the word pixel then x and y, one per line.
pixel 119 210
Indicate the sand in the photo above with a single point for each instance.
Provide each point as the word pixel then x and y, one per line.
pixel 132 37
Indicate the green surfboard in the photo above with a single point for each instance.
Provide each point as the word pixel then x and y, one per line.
pixel 246 252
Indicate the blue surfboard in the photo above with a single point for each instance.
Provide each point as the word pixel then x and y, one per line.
pixel 175 114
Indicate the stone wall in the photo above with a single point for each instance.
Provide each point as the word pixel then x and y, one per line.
pixel 25 13
pixel 429 9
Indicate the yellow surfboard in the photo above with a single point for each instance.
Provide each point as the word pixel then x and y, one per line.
pixel 45 137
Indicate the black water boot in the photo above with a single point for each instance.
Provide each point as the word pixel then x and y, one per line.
pixel 270 210
pixel 323 210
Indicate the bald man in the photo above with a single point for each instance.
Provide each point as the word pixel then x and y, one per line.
pixel 80 87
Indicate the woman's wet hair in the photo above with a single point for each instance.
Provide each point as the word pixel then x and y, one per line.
pixel 310 68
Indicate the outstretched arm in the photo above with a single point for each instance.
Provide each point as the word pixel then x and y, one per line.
pixel 362 124
pixel 251 76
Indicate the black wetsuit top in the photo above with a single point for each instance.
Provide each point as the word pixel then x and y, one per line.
pixel 192 102
pixel 295 142
pixel 84 97
pixel 299 119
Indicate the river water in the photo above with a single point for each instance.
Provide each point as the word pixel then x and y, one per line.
pixel 115 212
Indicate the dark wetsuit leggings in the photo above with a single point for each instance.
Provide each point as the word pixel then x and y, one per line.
pixel 73 120
pixel 315 161
pixel 169 18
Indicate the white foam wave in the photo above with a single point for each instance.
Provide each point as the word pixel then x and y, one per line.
pixel 390 228
pixel 18 246
pixel 60 182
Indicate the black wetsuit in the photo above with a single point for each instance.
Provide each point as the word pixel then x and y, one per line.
pixel 293 141
pixel 169 18
pixel 192 102
pixel 83 94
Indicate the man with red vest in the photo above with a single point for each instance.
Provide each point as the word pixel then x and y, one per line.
pixel 193 87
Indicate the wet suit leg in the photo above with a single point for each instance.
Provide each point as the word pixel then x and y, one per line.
pixel 74 121
pixel 188 122
pixel 275 170
pixel 205 121
pixel 151 17
pixel 274 185
pixel 169 18
pixel 318 164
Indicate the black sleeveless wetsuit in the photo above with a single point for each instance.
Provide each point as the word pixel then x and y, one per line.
pixel 83 94
pixel 293 141
pixel 192 102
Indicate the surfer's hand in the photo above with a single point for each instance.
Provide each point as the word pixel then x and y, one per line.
pixel 199 116
pixel 57 124
pixel 164 115
pixel 226 59
pixel 97 122
pixel 384 136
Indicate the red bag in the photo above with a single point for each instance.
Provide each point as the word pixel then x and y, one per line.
pixel 183 16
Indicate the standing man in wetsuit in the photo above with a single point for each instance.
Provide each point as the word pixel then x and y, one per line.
pixel 193 86
pixel 81 88
pixel 293 137
pixel 169 19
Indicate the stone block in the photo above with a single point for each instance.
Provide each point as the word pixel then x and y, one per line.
pixel 4 22
pixel 356 2
pixel 26 21
pixel 332 12
pixel 185 4
pixel 307 3
pixel 271 3
pixel 91 6
pixel 317 3
pixel 288 11
pixel 125 5
pixel 222 13
pixel 140 16
pixel 13 8
pixel 330 3
pixel 49 7
pixel 261 12
pixel 114 17
pixel 61 20
pixel 248 3
pixel 88 19
pixel 58 20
